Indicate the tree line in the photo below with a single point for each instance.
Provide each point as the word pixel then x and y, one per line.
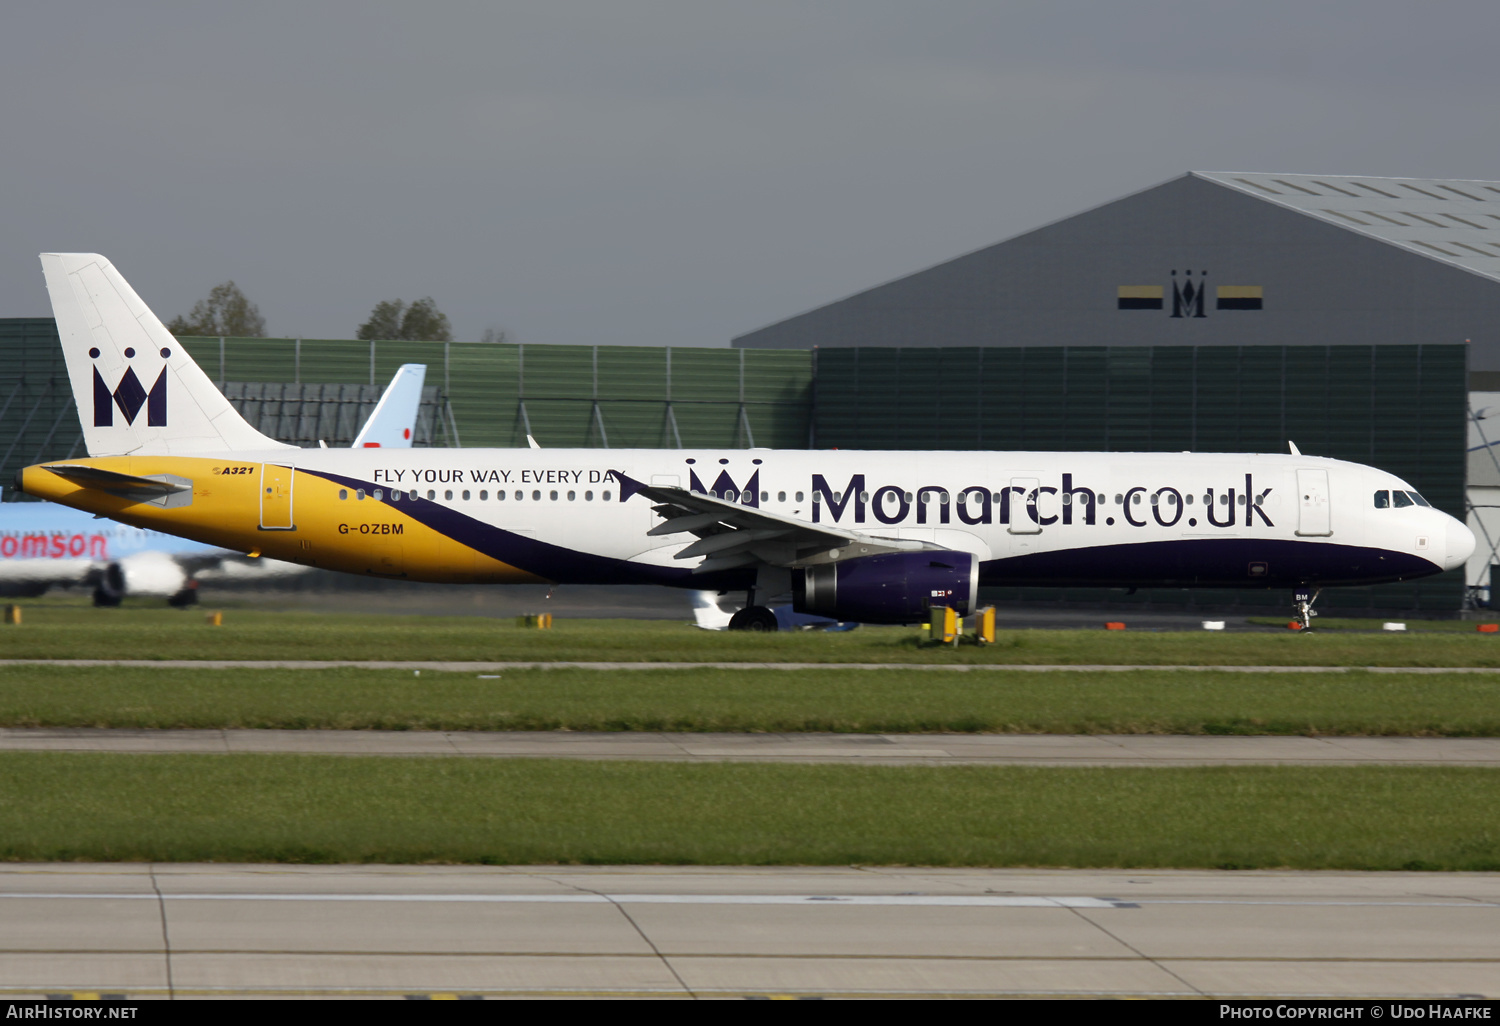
pixel 228 312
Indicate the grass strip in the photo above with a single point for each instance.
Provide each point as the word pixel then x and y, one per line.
pixel 269 808
pixel 54 631
pixel 882 701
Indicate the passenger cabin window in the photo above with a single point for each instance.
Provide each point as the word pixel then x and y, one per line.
pixel 343 493
pixel 1402 499
pixel 1382 499
pixel 466 495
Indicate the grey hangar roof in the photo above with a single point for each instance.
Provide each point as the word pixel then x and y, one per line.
pixel 1207 258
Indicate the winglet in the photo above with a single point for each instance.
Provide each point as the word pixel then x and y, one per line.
pixel 532 442
pixel 1292 447
pixel 628 485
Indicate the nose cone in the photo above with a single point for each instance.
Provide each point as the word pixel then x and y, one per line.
pixel 1460 545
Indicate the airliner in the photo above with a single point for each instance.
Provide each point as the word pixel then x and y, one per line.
pixel 44 545
pixel 875 537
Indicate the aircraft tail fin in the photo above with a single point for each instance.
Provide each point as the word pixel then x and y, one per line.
pixel 138 391
pixel 394 421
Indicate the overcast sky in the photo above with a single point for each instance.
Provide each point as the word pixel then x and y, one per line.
pixel 661 172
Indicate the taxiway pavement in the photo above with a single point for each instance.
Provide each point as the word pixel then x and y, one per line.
pixel 864 749
pixel 151 931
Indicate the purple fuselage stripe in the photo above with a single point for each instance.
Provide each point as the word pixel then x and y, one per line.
pixel 547 561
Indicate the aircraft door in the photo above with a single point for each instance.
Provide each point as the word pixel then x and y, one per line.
pixel 1023 490
pixel 1313 513
pixel 276 497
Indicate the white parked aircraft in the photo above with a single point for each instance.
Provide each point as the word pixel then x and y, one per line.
pixel 43 545
pixel 877 537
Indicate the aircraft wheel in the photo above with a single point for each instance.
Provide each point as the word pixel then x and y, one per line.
pixel 753 618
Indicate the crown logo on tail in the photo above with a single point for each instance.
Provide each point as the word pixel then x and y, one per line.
pixel 130 395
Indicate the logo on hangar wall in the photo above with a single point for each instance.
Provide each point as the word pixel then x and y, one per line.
pixel 130 395
pixel 1190 296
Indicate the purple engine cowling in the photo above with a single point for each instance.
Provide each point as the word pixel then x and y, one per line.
pixel 896 588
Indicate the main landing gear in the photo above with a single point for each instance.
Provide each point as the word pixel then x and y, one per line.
pixel 753 618
pixel 1303 598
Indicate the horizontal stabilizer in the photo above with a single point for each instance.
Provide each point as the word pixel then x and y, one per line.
pixel 114 481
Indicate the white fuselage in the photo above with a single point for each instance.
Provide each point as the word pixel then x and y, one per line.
pixel 1037 517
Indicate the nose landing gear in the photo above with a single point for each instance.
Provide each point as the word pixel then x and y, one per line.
pixel 1303 598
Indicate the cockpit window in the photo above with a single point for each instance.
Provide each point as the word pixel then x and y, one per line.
pixel 1402 499
pixel 1418 499
pixel 1382 499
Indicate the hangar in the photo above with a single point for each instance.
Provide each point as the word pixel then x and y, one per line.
pixel 1207 259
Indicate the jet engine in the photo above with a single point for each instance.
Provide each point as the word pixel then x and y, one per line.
pixel 899 587
pixel 150 573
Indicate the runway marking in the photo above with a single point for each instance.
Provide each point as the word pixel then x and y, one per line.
pixel 943 900
pixel 477 667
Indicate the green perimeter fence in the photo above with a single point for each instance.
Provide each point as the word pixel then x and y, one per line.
pixel 1401 408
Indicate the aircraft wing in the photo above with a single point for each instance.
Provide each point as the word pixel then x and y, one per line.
pixel 731 535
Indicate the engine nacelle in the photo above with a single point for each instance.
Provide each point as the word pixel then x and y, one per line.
pixel 896 588
pixel 149 573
